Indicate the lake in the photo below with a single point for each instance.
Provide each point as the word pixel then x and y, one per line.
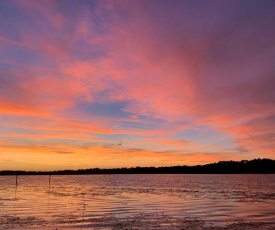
pixel 138 202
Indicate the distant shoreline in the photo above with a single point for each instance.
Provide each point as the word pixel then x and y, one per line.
pixel 256 166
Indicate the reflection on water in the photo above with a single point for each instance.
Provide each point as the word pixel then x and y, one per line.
pixel 138 201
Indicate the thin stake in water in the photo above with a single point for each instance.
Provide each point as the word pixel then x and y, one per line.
pixel 16 183
pixel 49 189
pixel 50 181
pixel 83 204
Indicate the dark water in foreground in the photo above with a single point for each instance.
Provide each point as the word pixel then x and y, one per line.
pixel 138 202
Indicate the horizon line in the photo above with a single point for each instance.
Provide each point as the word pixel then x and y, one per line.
pixel 134 167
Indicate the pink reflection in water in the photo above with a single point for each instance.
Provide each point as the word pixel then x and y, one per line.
pixel 87 200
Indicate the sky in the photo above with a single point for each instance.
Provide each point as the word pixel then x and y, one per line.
pixel 109 84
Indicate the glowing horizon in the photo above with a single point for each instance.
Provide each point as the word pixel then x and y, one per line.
pixel 135 83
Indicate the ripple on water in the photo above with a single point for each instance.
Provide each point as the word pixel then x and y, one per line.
pixel 158 221
pixel 122 201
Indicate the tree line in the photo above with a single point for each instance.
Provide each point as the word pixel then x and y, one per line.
pixel 221 167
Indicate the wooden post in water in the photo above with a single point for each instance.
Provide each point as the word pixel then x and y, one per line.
pixel 49 191
pixel 16 184
pixel 83 205
pixel 50 181
pixel 16 181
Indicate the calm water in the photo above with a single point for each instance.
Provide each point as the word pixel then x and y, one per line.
pixel 105 201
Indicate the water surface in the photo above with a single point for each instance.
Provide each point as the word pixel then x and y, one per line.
pixel 126 201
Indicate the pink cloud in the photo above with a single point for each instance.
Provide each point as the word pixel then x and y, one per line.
pixel 170 141
pixel 46 9
pixel 166 67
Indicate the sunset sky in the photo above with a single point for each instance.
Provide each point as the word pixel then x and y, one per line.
pixel 109 84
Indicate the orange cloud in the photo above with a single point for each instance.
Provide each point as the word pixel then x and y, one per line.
pixel 108 157
pixel 14 108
